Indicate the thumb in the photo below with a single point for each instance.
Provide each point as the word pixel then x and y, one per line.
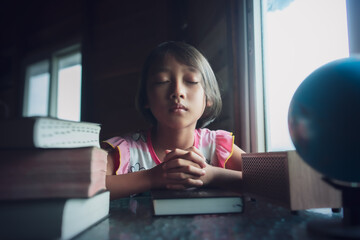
pixel 167 151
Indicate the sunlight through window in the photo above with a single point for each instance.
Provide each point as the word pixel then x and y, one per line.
pixel 69 88
pixel 298 37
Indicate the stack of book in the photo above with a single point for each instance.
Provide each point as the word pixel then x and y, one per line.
pixel 52 178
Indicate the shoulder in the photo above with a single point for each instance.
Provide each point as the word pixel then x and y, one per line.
pixel 207 136
pixel 125 150
pixel 132 140
pixel 217 143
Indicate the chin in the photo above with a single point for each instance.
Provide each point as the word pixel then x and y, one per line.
pixel 179 125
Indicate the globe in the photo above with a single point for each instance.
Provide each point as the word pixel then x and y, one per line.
pixel 324 120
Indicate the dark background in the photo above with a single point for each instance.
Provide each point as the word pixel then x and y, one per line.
pixel 115 38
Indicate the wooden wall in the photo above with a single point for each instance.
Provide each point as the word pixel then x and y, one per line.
pixel 119 35
pixel 30 31
pixel 115 37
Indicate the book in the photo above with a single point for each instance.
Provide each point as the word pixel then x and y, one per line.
pixel 52 173
pixel 51 218
pixel 46 132
pixel 196 201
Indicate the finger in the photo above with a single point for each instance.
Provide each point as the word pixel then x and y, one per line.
pixel 183 179
pixel 196 158
pixel 189 170
pixel 184 185
pixel 178 176
pixel 197 151
pixel 179 163
pixel 170 154
pixel 191 155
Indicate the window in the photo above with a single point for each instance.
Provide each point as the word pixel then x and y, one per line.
pixel 53 86
pixel 37 85
pixel 298 37
pixel 289 39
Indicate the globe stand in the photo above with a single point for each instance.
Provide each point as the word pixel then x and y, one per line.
pixel 349 226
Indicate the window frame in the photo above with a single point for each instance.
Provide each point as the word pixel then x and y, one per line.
pixel 249 69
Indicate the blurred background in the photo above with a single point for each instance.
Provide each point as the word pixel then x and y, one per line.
pixel 82 59
pixel 107 42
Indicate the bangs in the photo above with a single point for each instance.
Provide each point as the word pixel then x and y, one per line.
pixel 183 56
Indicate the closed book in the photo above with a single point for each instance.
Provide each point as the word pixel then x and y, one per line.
pixel 46 132
pixel 51 218
pixel 196 201
pixel 52 173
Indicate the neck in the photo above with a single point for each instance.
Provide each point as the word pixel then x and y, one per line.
pixel 169 139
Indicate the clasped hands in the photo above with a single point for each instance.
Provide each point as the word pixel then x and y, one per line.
pixel 182 169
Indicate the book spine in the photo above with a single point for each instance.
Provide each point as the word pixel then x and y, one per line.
pixel 32 178
pixel 50 190
pixel 52 161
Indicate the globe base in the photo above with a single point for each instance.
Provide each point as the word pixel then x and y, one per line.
pixel 334 229
pixel 349 226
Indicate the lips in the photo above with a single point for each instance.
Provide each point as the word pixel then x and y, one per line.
pixel 178 107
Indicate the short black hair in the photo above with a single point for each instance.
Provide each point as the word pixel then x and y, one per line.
pixel 188 55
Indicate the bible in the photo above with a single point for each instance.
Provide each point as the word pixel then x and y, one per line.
pixel 196 201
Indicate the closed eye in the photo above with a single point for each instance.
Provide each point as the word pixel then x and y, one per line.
pixel 192 82
pixel 160 82
pixel 192 78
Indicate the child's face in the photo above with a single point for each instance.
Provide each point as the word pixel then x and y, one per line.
pixel 175 93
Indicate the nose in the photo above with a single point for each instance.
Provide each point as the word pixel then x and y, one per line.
pixel 177 90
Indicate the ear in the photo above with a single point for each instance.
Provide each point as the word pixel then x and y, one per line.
pixel 209 103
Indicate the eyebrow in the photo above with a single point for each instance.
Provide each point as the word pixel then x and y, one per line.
pixel 166 69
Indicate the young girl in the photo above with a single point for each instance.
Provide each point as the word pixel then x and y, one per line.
pixel 179 95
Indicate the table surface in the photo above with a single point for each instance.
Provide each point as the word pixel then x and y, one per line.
pixel 132 218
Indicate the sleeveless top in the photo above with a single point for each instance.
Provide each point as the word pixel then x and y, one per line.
pixel 135 152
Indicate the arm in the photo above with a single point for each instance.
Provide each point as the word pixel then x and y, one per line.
pixel 158 177
pixel 235 161
pixel 125 185
pixel 229 177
